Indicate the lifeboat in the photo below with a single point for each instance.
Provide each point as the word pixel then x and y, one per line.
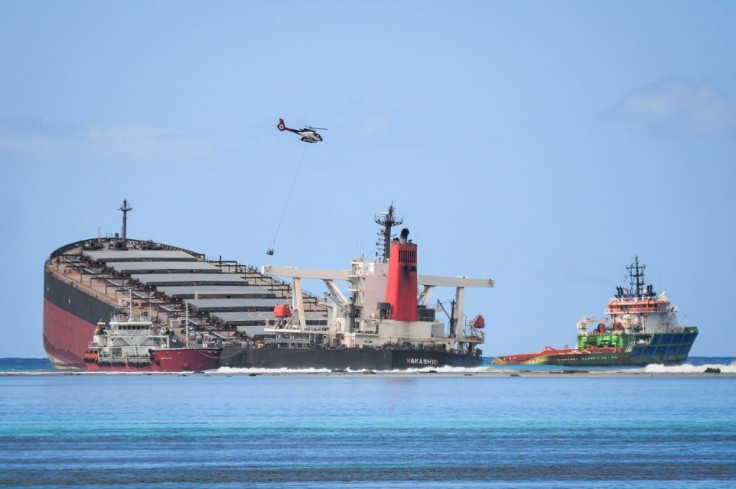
pixel 478 322
pixel 282 311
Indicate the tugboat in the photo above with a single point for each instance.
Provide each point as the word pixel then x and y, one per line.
pixel 641 329
pixel 130 343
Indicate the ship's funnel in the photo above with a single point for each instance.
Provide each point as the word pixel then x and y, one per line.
pixel 404 236
pixel 401 287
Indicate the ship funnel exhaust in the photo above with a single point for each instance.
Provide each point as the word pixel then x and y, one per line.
pixel 401 287
pixel 404 236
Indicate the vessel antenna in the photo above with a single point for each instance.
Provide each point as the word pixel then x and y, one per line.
pixel 125 208
pixel 386 220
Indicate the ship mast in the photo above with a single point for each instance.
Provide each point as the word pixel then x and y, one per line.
pixel 386 220
pixel 125 208
pixel 636 277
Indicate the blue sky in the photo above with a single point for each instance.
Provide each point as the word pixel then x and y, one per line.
pixel 541 144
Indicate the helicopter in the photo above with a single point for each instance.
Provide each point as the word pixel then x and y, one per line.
pixel 308 134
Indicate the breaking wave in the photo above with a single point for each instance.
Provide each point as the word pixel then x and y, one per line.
pixel 262 371
pixel 301 371
pixel 442 370
pixel 689 369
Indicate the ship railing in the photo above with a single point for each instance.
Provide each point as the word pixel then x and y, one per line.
pixel 70 246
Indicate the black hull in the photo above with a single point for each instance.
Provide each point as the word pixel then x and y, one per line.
pixel 81 304
pixel 343 358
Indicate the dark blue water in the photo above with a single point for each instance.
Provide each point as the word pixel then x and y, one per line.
pixel 25 365
pixel 367 431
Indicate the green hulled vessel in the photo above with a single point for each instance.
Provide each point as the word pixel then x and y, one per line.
pixel 641 328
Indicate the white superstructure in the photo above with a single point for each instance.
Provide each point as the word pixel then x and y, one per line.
pixel 381 296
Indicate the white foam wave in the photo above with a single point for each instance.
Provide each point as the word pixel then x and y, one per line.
pixel 444 370
pixel 287 371
pixel 688 369
pixel 10 373
pixel 261 371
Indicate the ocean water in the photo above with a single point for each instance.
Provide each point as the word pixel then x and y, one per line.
pixel 465 429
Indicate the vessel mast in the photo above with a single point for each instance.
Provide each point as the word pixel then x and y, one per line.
pixel 636 277
pixel 125 208
pixel 386 220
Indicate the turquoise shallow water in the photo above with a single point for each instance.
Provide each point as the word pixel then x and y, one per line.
pixel 367 431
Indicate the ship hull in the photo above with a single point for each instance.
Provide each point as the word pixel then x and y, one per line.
pixel 659 348
pixel 614 359
pixel 343 358
pixel 69 320
pixel 166 360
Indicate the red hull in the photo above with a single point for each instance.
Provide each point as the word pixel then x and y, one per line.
pixel 65 336
pixel 170 360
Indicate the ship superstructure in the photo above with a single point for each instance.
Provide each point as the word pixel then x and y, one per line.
pixel 384 321
pixel 633 310
pixel 384 309
pixel 125 340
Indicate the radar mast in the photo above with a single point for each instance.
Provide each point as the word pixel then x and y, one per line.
pixel 125 208
pixel 386 220
pixel 636 277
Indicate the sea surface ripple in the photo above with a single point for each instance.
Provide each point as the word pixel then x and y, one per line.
pixel 367 431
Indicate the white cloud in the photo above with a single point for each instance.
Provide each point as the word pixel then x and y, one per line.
pixel 683 106
pixel 134 144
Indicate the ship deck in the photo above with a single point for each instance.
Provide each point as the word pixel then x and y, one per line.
pixel 226 298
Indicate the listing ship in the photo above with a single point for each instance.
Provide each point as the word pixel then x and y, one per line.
pixel 641 328
pixel 131 343
pixel 251 317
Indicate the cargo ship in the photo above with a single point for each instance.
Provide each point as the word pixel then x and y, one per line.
pixel 641 328
pixel 253 318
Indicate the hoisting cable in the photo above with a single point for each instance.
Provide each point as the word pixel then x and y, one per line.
pixel 286 205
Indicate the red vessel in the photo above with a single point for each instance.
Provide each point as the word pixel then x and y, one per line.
pixel 164 360
pixel 544 355
pixel 131 344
